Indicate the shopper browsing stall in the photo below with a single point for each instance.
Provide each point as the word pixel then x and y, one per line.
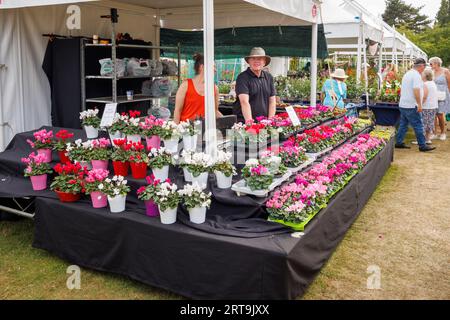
pixel 190 98
pixel 255 89
pixel 335 89
pixel 410 106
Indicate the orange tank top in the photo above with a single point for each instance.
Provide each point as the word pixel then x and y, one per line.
pixel 194 104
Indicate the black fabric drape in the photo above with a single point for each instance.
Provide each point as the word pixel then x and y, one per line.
pixel 199 264
pixel 62 66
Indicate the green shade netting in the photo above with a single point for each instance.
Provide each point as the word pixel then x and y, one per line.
pixel 277 41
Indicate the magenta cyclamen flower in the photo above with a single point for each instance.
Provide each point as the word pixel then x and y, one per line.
pixel 43 135
pixel 259 170
pixel 101 143
pixel 97 175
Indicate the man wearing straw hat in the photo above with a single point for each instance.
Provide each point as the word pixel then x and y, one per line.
pixel 255 89
pixel 335 89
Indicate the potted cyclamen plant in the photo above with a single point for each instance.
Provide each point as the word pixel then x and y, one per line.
pixel 199 166
pixel 138 160
pixel 118 125
pixel 151 129
pixel 256 176
pixel 132 129
pixel 159 161
pixel 121 156
pixel 37 169
pixel 292 156
pixel 273 163
pixel 189 133
pixel 79 152
pixel 149 195
pixel 43 143
pixel 94 185
pixel 170 134
pixel 223 170
pixel 116 189
pixel 100 153
pixel 167 199
pixel 196 201
pixel 186 157
pixel 61 144
pixel 91 122
pixel 69 184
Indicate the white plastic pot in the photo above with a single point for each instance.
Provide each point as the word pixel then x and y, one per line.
pixel 197 215
pixel 171 145
pixel 190 142
pixel 134 138
pixel 161 174
pixel 169 216
pixel 91 132
pixel 201 179
pixel 115 135
pixel 117 203
pixel 223 182
pixel 187 175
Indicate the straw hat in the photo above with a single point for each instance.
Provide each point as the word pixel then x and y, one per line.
pixel 339 73
pixel 258 52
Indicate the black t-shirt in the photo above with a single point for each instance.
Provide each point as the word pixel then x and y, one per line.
pixel 259 89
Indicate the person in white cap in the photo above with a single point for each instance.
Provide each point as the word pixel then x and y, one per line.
pixel 335 89
pixel 255 89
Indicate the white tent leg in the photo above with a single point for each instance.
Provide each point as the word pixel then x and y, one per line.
pixel 366 78
pixel 208 44
pixel 313 98
pixel 380 65
pixel 358 61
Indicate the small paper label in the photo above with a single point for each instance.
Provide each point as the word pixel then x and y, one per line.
pixel 293 116
pixel 108 115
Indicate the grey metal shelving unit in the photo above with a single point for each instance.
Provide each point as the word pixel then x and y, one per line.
pixel 115 98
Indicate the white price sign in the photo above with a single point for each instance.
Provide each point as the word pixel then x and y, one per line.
pixel 293 116
pixel 108 115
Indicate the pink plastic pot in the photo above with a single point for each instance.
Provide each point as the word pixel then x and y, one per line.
pixel 100 164
pixel 151 208
pixel 39 182
pixel 99 199
pixel 153 142
pixel 48 154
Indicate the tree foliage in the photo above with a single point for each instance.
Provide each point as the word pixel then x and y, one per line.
pixel 398 13
pixel 443 15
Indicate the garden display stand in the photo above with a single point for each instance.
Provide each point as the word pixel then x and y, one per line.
pixel 241 187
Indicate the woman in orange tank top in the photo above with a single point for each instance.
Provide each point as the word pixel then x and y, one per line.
pixel 190 99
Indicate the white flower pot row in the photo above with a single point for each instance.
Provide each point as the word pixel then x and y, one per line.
pixel 196 215
pixel 91 132
pixel 223 182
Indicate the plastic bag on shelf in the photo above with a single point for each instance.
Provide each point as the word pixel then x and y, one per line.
pixel 159 112
pixel 169 68
pixel 147 87
pixel 156 68
pixel 138 67
pixel 106 67
pixel 161 88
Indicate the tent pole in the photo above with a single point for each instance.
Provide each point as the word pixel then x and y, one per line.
pixel 358 59
pixel 315 30
pixel 380 65
pixel 208 51
pixel 366 78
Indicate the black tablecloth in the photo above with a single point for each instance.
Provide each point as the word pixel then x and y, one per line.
pixel 199 264
pixel 236 254
pixel 385 114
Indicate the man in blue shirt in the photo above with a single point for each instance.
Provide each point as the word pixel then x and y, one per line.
pixel 410 106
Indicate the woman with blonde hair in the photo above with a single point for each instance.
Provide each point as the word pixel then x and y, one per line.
pixel 430 103
pixel 442 80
